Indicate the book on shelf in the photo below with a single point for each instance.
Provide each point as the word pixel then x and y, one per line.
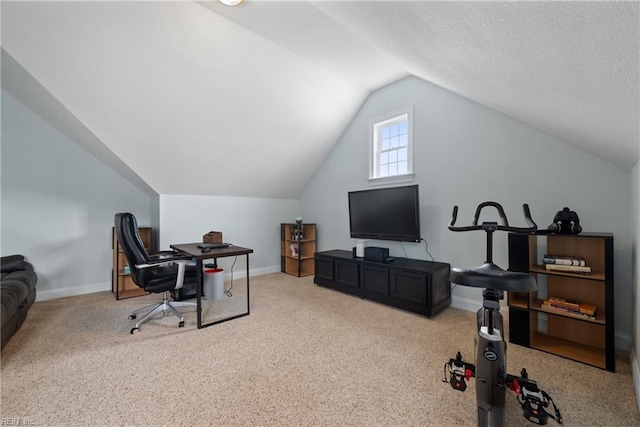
pixel 568 268
pixel 560 310
pixel 572 305
pixel 564 260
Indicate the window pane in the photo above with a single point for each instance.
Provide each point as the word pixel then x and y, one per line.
pixel 402 128
pixel 391 147
pixel 393 156
pixel 402 167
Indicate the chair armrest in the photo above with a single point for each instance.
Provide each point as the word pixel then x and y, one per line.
pixel 180 260
pixel 161 254
pixel 164 261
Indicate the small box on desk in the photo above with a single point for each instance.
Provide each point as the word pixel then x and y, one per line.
pixel 212 237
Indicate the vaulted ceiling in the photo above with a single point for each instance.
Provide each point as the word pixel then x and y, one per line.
pixel 201 98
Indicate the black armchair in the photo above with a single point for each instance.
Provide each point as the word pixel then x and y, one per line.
pixel 159 272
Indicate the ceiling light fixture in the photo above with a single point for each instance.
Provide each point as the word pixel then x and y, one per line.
pixel 231 2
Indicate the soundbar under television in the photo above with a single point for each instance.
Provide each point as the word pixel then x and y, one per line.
pixel 385 214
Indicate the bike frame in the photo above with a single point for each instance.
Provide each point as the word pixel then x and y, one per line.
pixel 490 362
pixel 490 353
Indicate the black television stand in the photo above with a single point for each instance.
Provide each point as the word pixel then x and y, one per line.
pixel 418 286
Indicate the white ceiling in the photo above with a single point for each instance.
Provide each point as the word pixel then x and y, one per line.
pixel 200 98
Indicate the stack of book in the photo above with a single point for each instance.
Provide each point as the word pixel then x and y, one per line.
pixel 569 306
pixel 568 264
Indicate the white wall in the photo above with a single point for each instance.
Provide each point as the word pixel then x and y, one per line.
pixel 465 154
pixel 249 222
pixel 58 203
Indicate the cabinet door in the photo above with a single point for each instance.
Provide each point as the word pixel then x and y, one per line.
pixel 407 286
pixel 346 273
pixel 324 269
pixel 375 279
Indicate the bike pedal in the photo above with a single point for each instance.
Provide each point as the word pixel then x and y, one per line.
pixel 458 384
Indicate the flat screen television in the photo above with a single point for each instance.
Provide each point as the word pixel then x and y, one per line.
pixel 385 214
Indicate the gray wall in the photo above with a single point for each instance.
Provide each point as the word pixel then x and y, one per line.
pixel 58 202
pixel 635 294
pixel 244 221
pixel 465 154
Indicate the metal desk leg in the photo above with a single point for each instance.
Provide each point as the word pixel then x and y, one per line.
pixel 199 283
pixel 247 284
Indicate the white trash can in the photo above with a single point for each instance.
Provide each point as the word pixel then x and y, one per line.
pixel 213 283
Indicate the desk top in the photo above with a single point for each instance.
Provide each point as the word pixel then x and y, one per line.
pixel 193 250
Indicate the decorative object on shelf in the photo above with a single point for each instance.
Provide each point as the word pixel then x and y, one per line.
pixel 294 249
pixel 299 230
pixel 126 269
pixel 566 221
pixel 212 237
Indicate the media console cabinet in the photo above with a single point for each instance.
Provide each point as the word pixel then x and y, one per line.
pixel 410 284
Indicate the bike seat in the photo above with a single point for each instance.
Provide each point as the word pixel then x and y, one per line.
pixel 491 276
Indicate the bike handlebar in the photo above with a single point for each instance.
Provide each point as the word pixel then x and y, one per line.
pixel 503 225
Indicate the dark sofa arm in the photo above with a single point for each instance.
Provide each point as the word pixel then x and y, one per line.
pixel 12 263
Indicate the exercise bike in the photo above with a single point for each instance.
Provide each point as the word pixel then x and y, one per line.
pixel 489 368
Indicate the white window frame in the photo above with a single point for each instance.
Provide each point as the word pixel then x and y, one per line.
pixel 375 148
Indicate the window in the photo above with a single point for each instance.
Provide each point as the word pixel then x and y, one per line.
pixel 391 148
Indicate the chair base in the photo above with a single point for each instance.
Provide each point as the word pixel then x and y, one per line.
pixel 164 307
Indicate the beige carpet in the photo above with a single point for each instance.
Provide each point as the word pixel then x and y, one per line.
pixel 306 356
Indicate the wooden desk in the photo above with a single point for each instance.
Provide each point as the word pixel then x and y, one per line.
pixel 192 250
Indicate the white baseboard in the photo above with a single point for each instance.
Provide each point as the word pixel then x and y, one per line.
pixel 241 273
pixel 466 304
pixel 44 295
pixel 622 341
pixel 635 373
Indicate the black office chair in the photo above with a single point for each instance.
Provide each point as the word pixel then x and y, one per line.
pixel 159 272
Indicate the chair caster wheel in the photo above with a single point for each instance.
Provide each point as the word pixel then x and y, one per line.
pixel 134 330
pixel 181 324
pixel 132 316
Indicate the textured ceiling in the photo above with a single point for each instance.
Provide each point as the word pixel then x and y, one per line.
pixel 568 68
pixel 200 98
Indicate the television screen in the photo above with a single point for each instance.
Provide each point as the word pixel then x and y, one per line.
pixel 385 214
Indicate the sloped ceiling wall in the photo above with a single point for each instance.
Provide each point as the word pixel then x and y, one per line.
pixel 199 98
